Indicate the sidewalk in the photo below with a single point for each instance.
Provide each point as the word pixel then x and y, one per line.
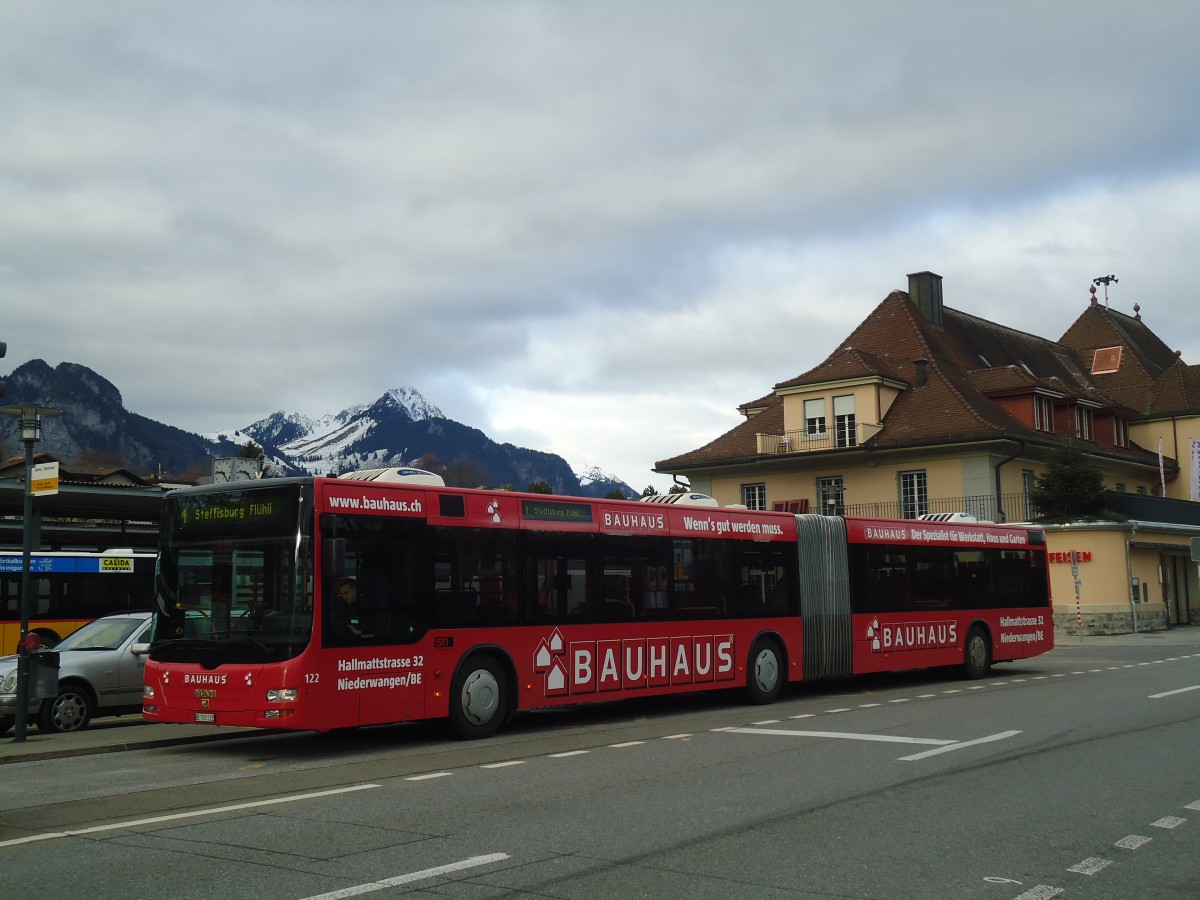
pixel 113 734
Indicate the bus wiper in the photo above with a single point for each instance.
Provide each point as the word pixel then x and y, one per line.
pixel 259 643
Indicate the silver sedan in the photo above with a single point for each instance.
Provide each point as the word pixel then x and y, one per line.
pixel 98 674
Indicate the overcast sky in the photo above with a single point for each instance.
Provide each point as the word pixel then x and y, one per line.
pixel 587 228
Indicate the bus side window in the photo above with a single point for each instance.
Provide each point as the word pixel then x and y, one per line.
pixel 932 578
pixel 557 584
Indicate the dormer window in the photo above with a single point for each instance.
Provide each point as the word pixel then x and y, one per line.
pixel 814 416
pixel 1120 432
pixel 1083 423
pixel 843 416
pixel 1043 413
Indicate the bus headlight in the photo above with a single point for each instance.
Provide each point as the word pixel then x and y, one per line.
pixel 147 692
pixel 283 695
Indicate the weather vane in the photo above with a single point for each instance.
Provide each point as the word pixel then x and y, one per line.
pixel 1105 280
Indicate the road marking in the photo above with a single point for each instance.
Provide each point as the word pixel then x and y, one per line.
pixel 958 745
pixel 626 744
pixel 1039 892
pixel 1195 804
pixel 1194 687
pixel 409 878
pixel 1168 822
pixel 676 737
pixel 174 817
pixel 569 753
pixel 1090 866
pixel 844 735
pixel 501 765
pixel 1133 841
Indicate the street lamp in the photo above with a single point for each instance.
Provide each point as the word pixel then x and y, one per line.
pixel 31 433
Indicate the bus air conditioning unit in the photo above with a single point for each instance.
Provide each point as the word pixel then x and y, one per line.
pixel 394 475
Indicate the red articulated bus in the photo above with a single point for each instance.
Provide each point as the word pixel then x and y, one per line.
pixel 384 596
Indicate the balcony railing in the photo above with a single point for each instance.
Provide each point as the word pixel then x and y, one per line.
pixel 984 507
pixel 803 442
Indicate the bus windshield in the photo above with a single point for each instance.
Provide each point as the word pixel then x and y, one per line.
pixel 234 580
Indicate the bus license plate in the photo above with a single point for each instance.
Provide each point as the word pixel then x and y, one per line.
pixel 208 718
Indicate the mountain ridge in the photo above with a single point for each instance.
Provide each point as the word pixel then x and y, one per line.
pixel 400 427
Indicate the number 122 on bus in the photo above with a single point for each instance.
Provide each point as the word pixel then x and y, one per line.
pixel 384 596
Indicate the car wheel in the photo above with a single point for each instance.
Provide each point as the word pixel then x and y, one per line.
pixel 71 710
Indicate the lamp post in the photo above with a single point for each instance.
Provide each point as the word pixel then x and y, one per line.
pixel 31 433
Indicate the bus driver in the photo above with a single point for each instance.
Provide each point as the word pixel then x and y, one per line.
pixel 346 615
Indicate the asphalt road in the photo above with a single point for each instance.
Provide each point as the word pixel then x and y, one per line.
pixel 1073 775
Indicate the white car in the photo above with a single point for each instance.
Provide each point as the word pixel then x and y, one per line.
pixel 98 674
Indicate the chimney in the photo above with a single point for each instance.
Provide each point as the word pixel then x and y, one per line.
pixel 920 362
pixel 925 290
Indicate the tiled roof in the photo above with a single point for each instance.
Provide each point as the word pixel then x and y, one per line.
pixel 1145 361
pixel 1177 392
pixel 966 360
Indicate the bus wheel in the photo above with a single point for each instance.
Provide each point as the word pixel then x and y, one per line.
pixel 765 679
pixel 71 710
pixel 478 698
pixel 977 655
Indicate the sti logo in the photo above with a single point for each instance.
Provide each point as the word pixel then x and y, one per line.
pixel 589 667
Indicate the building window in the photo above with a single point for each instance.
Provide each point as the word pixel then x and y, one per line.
pixel 1083 423
pixel 914 495
pixel 1121 487
pixel 1043 413
pixel 1028 483
pixel 814 416
pixel 1141 489
pixel 843 418
pixel 831 496
pixel 754 496
pixel 1120 432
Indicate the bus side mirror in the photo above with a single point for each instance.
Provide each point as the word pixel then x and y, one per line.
pixel 334 562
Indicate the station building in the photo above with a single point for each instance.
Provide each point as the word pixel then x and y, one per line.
pixel 92 510
pixel 927 409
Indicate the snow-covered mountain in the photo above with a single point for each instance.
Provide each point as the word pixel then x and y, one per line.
pixel 96 430
pixel 403 428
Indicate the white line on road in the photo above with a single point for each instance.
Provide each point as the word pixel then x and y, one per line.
pixel 410 877
pixel 1090 866
pixel 1168 822
pixel 1133 841
pixel 844 735
pixel 428 776
pixel 958 745
pixel 174 817
pixel 502 765
pixel 1194 687
pixel 1040 892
